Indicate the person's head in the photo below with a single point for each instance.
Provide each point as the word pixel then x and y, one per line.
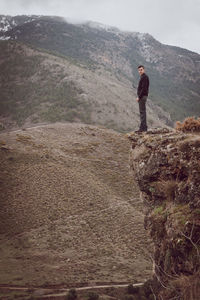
pixel 141 69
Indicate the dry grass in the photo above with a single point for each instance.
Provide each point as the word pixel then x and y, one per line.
pixel 190 124
pixel 184 288
pixel 168 187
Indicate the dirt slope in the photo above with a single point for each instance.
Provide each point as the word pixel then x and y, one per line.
pixel 69 210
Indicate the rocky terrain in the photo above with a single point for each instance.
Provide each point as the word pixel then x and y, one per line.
pixel 70 213
pixel 166 167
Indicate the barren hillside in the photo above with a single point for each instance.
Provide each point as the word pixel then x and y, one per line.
pixel 36 87
pixel 69 212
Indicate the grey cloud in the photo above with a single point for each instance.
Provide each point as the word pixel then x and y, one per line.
pixel 174 22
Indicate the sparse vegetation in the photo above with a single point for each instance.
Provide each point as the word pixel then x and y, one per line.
pixel 159 210
pixel 190 124
pixel 172 209
pixel 183 287
pixel 168 187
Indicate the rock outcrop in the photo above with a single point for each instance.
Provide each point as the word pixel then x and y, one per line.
pixel 166 165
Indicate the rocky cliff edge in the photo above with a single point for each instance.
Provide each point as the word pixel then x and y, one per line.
pixel 166 165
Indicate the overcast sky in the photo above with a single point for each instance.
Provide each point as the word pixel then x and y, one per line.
pixel 173 22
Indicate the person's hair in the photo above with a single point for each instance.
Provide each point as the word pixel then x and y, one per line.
pixel 141 66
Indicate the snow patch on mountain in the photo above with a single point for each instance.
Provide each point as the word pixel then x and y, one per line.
pixel 4 38
pixel 146 49
pixel 8 22
pixel 4 24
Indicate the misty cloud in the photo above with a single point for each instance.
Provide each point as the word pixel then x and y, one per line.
pixel 174 22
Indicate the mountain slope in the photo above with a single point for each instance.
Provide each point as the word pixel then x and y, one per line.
pixel 69 211
pixel 37 87
pixel 174 72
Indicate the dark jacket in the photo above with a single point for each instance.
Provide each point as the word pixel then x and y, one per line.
pixel 143 86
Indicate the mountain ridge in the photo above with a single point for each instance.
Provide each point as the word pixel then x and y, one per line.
pixel 173 71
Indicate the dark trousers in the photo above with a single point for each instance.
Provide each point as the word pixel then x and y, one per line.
pixel 142 109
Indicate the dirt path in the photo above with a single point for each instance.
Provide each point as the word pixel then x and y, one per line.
pixel 64 290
